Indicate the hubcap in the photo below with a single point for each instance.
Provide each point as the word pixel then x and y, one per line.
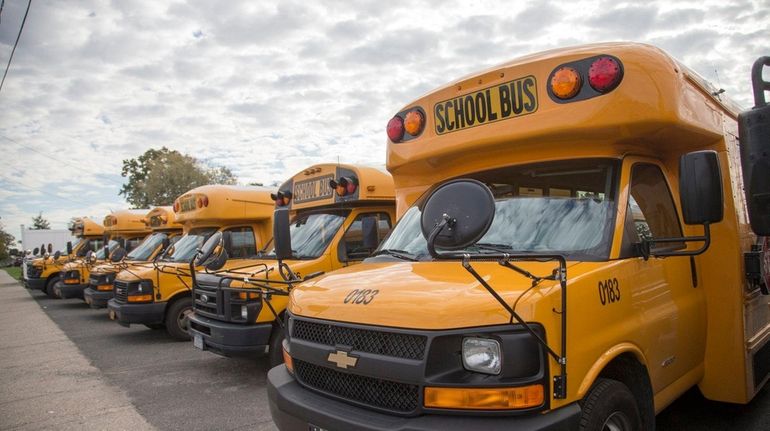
pixel 183 318
pixel 617 421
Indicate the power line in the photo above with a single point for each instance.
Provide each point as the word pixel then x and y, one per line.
pixel 15 43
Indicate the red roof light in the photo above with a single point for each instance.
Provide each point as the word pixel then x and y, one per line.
pixel 604 74
pixel 396 129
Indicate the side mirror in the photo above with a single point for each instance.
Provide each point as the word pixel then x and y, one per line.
pixel 69 247
pixel 50 247
pixel 118 255
pixel 208 248
pixel 42 249
pixel 457 214
pixel 754 132
pixel 106 251
pixel 281 234
pixel 35 251
pixel 217 260
pixel 700 188
pixel 165 242
pixel 82 251
pixel 57 255
pixel 90 256
pixel 371 237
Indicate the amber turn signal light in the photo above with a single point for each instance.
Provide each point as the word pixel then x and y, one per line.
pixel 288 361
pixel 566 83
pixel 104 287
pixel 485 398
pixel 140 298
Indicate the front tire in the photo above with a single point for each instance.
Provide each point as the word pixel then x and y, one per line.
pixel 610 406
pixel 177 318
pixel 49 287
pixel 275 354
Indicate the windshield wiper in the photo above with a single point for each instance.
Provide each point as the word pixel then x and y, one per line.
pixel 499 248
pixel 401 254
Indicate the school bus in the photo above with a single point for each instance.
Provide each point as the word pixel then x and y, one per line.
pixel 573 252
pixel 340 213
pixel 165 231
pixel 159 296
pixel 124 231
pixel 43 273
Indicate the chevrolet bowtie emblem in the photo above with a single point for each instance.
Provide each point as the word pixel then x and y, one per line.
pixel 342 360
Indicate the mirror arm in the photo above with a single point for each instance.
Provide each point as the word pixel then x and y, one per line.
pixel 446 221
pixel 645 246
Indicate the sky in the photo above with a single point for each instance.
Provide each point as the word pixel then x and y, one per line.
pixel 269 88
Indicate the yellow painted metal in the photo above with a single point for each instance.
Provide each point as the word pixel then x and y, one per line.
pixel 686 327
pixel 375 195
pixel 229 207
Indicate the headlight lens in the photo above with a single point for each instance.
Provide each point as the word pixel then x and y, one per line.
pixel 482 355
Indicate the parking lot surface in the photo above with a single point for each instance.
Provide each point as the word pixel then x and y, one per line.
pixel 174 386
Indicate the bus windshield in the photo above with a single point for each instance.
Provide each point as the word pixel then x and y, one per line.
pixel 111 245
pixel 184 249
pixel 563 207
pixel 311 233
pixel 145 249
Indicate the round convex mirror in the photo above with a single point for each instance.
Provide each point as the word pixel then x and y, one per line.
pixel 118 255
pixel 470 208
pixel 57 255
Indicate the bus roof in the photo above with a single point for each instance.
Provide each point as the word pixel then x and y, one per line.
pixel 84 226
pixel 126 221
pixel 332 183
pixel 224 203
pixel 659 106
pixel 162 218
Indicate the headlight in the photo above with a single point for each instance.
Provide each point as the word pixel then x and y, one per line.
pixel 482 355
pixel 145 287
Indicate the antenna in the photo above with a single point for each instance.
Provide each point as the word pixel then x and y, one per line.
pixel 719 84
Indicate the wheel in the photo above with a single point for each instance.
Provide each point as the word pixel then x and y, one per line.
pixel 155 326
pixel 275 354
pixel 610 406
pixel 49 287
pixel 177 316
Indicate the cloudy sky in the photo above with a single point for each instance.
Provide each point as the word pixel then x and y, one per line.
pixel 267 88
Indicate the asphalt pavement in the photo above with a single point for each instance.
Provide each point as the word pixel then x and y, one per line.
pixel 170 385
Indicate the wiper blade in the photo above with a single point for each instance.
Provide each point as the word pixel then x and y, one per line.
pixel 401 254
pixel 499 248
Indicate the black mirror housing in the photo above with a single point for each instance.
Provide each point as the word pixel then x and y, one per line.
pixel 69 247
pixel 118 255
pixel 106 252
pixel 700 188
pixel 371 238
pixel 457 214
pixel 281 234
pixel 754 138
pixel 35 251
pixel 208 248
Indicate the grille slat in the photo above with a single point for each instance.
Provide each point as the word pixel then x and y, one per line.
pixel 209 308
pixel 384 394
pixel 120 291
pixel 407 346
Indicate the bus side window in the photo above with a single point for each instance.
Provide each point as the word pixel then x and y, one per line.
pixel 133 243
pixel 242 243
pixel 651 212
pixel 353 240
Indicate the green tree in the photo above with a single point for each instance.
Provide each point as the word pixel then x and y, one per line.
pixel 6 241
pixel 40 223
pixel 157 177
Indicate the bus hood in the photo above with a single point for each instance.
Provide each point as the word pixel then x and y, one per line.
pixel 427 295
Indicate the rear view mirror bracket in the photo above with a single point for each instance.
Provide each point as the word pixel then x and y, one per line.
pixel 645 247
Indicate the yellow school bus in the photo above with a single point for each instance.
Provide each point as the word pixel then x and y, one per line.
pixel 165 231
pixel 43 273
pixel 159 296
pixel 573 252
pixel 333 206
pixel 124 231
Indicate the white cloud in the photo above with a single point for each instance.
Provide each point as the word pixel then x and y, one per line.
pixel 267 88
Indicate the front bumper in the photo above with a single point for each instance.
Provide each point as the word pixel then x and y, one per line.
pixel 67 291
pixel 35 283
pixel 296 408
pixel 146 314
pixel 97 298
pixel 230 339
